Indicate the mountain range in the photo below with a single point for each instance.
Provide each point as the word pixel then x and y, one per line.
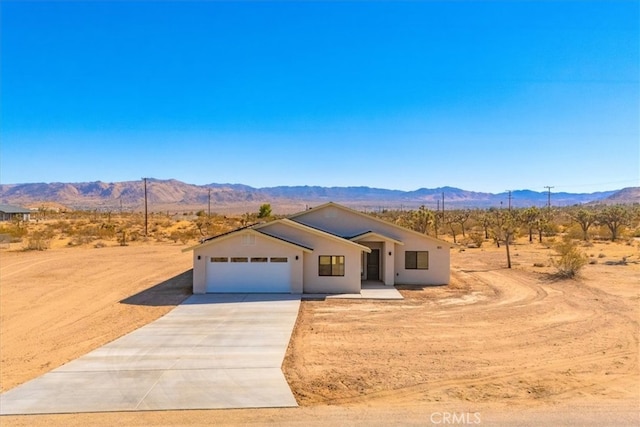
pixel 171 194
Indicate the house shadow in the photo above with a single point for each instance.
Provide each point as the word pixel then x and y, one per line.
pixel 225 298
pixel 419 287
pixel 171 292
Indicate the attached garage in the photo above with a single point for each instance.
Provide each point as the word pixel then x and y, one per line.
pixel 249 274
pixel 248 260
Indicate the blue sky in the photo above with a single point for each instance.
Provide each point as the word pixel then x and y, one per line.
pixel 485 96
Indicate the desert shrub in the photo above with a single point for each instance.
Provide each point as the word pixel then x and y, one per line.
pixel 64 227
pixel 15 230
pixel 106 231
pixel 574 232
pixel 601 255
pixel 552 229
pixel 593 261
pixel 38 241
pixel 570 260
pixel 100 244
pixel 477 239
pixel 183 235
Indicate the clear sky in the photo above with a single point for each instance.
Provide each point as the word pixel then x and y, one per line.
pixel 485 96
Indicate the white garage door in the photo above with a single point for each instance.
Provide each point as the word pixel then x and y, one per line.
pixel 240 274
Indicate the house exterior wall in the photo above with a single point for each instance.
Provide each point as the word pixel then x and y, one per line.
pixel 389 263
pixel 439 263
pixel 11 216
pixel 312 281
pixel 233 247
pixel 346 223
pixel 349 283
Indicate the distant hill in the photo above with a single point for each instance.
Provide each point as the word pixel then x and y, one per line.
pixel 175 195
pixel 627 195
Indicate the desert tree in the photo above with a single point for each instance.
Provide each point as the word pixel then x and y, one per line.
pixel 202 224
pixel 486 220
pixel 461 218
pixel 403 219
pixel 529 218
pixel 614 218
pixel 505 229
pixel 543 222
pixel 264 211
pixel 585 219
pixel 422 219
pixel 247 218
pixel 449 219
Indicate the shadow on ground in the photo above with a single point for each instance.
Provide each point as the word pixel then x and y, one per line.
pixel 418 287
pixel 170 292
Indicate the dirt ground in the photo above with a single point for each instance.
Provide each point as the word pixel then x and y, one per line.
pixel 498 346
pixel 59 304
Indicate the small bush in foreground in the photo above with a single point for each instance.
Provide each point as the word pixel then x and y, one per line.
pixel 571 260
pixel 38 241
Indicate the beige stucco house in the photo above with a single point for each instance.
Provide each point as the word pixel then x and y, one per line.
pixel 327 249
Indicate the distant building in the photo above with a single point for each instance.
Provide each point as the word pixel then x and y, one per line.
pixel 9 212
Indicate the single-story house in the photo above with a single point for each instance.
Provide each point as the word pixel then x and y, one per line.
pixel 327 249
pixel 9 213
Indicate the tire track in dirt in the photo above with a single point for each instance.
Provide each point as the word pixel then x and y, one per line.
pixel 528 338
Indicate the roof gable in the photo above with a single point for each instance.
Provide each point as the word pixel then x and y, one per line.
pixel 331 205
pixel 376 236
pixel 245 230
pixel 320 233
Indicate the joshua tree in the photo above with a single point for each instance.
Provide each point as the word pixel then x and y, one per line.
pixel 505 230
pixel 529 218
pixel 585 219
pixel 614 217
pixel 422 219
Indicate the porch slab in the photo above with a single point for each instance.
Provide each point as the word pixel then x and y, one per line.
pixel 369 291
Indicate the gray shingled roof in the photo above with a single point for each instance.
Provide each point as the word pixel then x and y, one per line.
pixel 10 209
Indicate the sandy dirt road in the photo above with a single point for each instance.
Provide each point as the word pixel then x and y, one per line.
pixel 516 346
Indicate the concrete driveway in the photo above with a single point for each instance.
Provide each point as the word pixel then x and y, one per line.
pixel 212 351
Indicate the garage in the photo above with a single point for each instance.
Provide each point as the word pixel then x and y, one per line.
pixel 249 274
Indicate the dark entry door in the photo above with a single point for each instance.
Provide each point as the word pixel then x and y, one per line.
pixel 373 265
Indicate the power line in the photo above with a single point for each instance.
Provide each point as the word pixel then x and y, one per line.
pixel 146 222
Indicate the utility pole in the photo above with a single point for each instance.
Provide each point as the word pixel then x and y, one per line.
pixel 209 203
pixel 146 221
pixel 548 196
pixel 509 191
pixel 443 205
pixel 436 218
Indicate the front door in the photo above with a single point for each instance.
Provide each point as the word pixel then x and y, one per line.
pixel 373 265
